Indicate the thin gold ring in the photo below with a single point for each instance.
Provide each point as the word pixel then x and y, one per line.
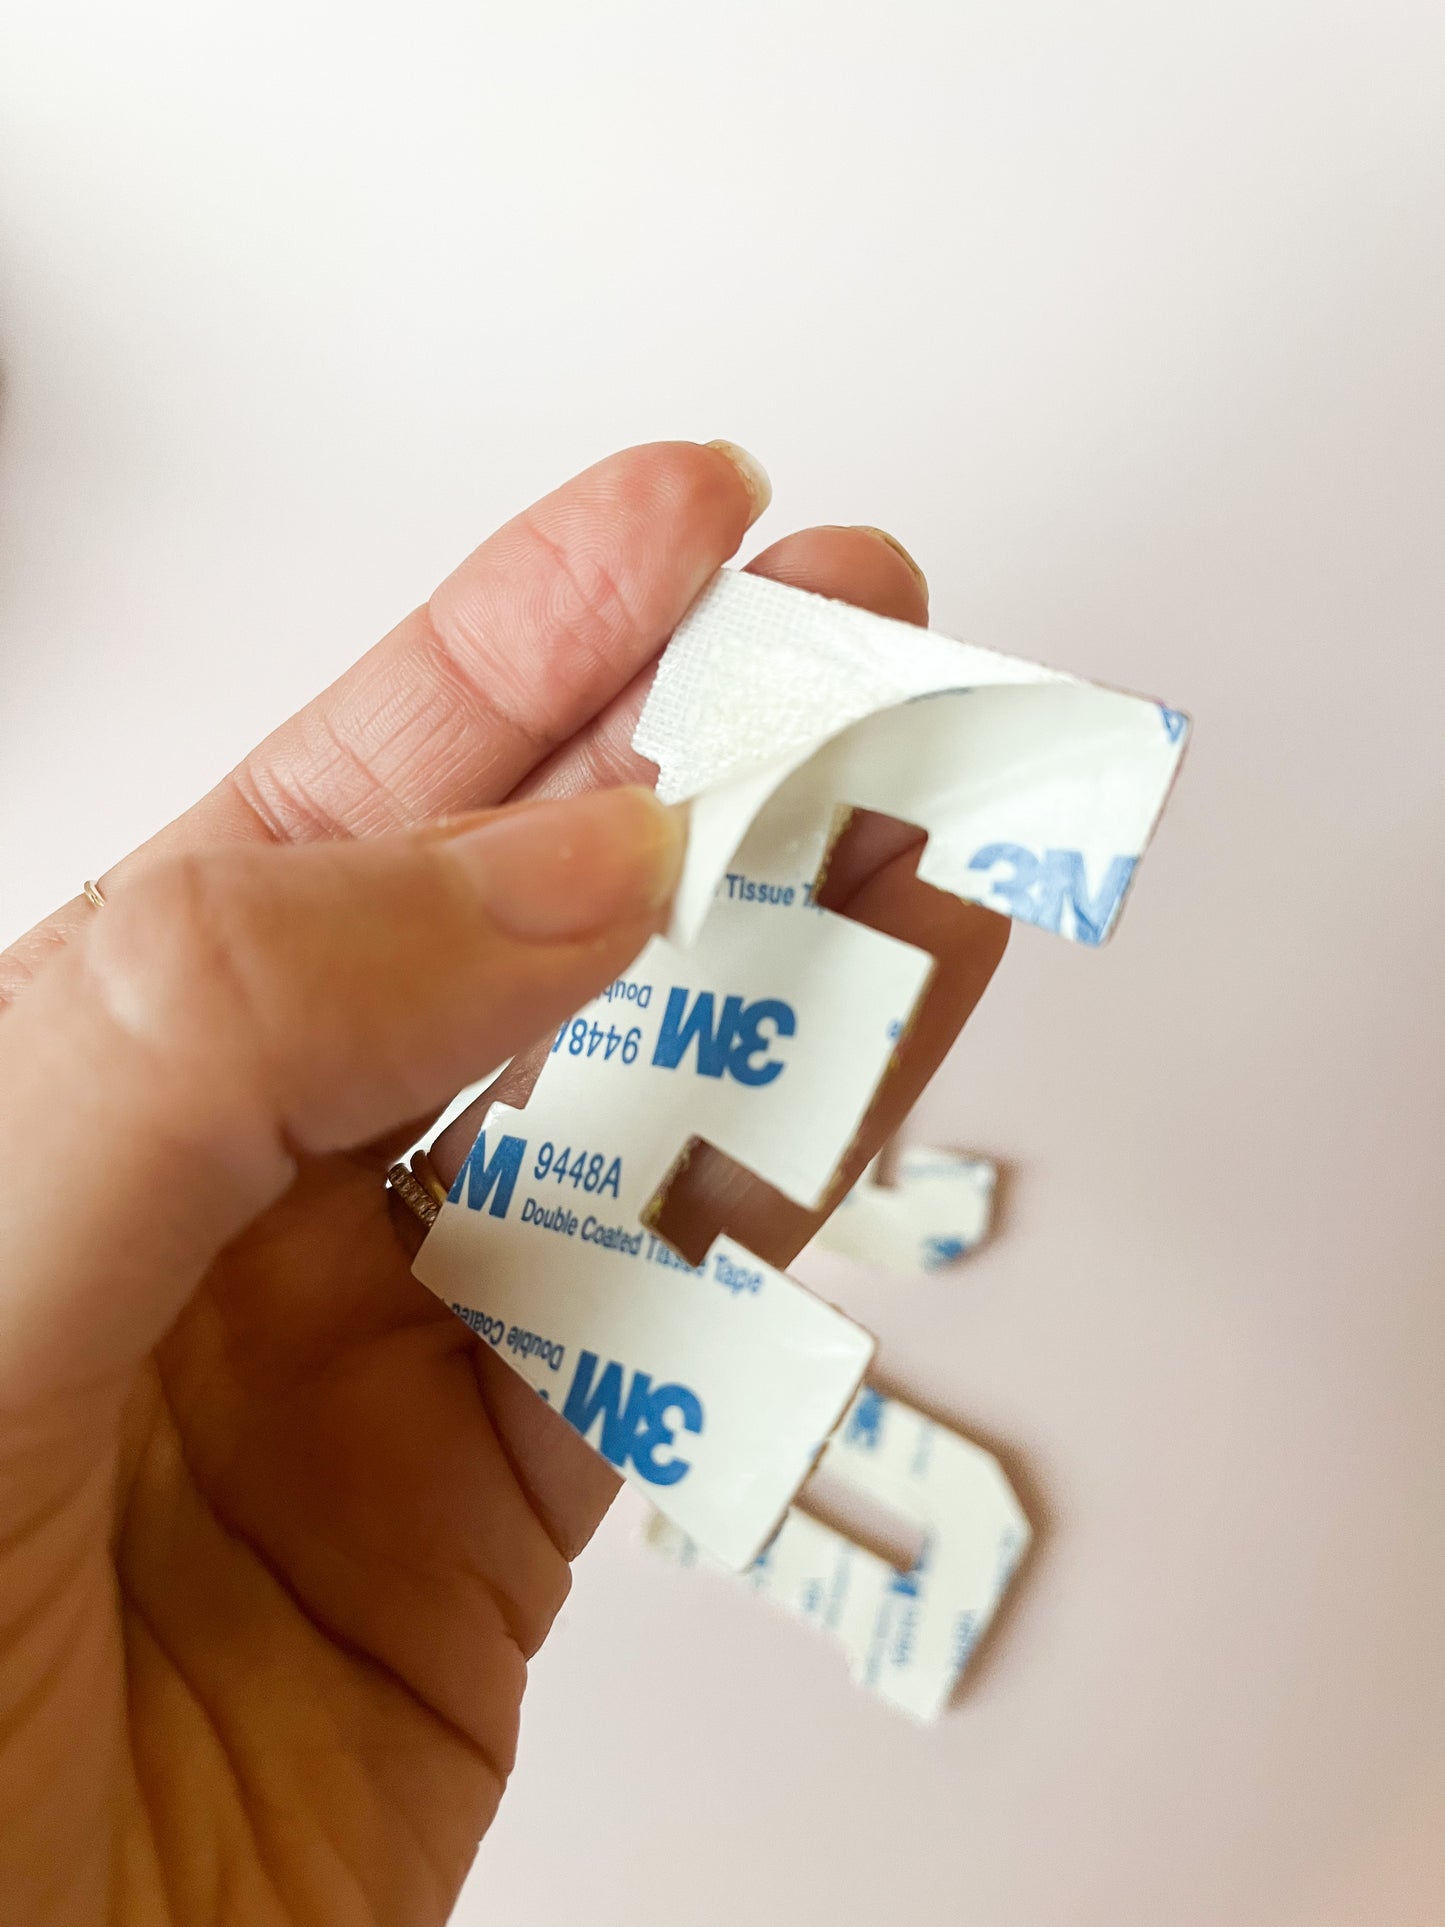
pixel 94 893
pixel 427 1175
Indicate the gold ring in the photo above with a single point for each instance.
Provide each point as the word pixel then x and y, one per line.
pixel 94 893
pixel 419 1187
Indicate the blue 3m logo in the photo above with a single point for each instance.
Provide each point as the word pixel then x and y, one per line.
pixel 729 1041
pixel 485 1182
pixel 865 1422
pixel 1040 889
pixel 635 1428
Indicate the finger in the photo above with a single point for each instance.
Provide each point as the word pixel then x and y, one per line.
pixel 535 634
pixel 864 566
pixel 230 1012
pixel 537 630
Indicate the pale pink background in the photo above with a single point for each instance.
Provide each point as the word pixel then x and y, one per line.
pixel 1131 320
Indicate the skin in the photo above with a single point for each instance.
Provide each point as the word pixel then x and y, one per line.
pixel 276 1537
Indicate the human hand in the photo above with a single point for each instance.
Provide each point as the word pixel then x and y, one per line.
pixel 277 1536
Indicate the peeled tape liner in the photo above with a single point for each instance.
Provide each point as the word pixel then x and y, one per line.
pixel 762 1024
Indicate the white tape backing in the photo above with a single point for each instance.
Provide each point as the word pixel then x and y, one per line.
pixel 906 1635
pixel 762 1024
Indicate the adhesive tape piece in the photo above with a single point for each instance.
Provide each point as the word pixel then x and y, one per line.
pixel 935 1213
pixel 762 1024
pixel 907 1636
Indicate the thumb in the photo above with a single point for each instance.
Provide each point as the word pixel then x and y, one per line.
pixel 230 1011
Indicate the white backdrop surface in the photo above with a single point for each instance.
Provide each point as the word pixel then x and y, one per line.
pixel 1130 321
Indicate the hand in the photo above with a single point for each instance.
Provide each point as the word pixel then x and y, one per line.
pixel 276 1537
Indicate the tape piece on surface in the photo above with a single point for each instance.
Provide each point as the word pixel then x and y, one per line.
pixel 763 1024
pixel 907 1636
pixel 934 1213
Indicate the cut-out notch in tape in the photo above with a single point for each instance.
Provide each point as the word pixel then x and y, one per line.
pixel 906 1635
pixel 763 1024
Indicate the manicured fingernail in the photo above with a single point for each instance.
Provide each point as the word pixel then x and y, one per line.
pixel 866 528
pixel 755 476
pixel 558 872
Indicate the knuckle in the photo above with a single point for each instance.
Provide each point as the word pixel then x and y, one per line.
pixel 582 593
pixel 475 673
pixel 565 573
pixel 162 966
pixel 164 955
pixel 335 790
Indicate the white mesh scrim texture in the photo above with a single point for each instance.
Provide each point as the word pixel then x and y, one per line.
pixel 756 669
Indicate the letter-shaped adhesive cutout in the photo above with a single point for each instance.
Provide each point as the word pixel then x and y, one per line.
pixel 906 1635
pixel 935 1212
pixel 763 1024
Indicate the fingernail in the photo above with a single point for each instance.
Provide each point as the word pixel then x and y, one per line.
pixel 897 547
pixel 755 476
pixel 557 872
